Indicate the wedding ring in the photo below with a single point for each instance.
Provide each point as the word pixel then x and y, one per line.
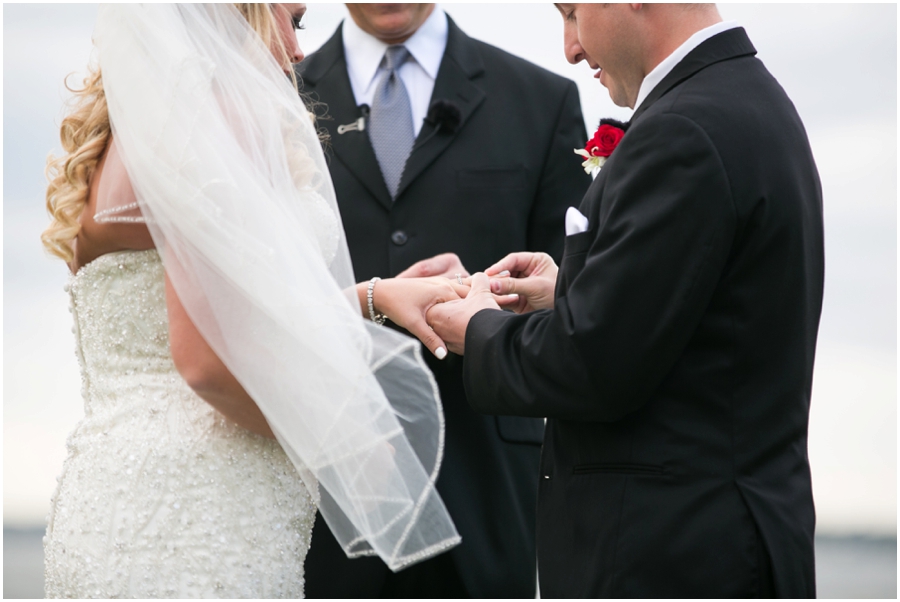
pixel 459 278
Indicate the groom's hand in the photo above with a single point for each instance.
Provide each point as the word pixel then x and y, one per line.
pixel 450 320
pixel 406 301
pixel 531 277
pixel 447 265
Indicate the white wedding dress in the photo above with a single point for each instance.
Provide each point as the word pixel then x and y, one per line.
pixel 160 495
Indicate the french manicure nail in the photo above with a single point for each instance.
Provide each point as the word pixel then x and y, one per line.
pixel 440 353
pixel 503 274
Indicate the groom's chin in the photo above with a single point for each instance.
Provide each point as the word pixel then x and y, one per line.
pixel 619 97
pixel 616 94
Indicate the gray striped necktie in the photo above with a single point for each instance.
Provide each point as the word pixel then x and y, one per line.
pixel 390 123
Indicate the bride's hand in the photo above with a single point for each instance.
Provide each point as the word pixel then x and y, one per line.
pixel 451 320
pixel 405 301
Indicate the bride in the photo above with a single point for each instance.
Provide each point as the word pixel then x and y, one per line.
pixel 235 378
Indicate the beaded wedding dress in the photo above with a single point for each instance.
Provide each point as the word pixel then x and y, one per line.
pixel 160 495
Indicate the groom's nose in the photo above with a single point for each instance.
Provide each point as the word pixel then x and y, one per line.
pixel 572 47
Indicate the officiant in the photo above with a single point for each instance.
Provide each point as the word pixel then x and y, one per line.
pixel 445 146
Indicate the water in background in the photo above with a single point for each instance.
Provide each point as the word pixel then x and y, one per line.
pixel 846 567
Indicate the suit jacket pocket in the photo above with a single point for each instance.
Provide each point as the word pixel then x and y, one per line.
pixel 578 243
pixel 518 429
pixel 491 179
pixel 618 468
pixel 574 254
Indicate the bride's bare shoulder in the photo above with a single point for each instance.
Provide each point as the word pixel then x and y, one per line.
pixel 109 187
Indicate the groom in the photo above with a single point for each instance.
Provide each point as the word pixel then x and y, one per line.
pixel 674 360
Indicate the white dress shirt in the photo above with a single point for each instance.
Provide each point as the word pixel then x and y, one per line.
pixel 364 53
pixel 660 71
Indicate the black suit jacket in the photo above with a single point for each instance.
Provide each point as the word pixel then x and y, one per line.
pixel 676 365
pixel 499 183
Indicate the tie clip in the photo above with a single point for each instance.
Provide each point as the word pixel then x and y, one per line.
pixel 357 126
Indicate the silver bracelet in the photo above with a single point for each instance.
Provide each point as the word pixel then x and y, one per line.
pixel 370 293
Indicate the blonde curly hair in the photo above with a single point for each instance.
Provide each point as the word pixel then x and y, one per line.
pixel 84 134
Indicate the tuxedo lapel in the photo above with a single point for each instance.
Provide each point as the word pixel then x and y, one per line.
pixel 727 45
pixel 460 66
pixel 328 78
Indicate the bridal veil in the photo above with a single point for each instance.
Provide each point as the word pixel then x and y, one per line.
pixel 230 178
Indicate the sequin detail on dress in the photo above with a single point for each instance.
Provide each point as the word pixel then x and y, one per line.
pixel 161 496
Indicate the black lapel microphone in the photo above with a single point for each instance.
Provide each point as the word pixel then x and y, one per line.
pixel 444 115
pixel 357 126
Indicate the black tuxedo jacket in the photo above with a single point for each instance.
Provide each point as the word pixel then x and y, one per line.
pixel 499 183
pixel 676 365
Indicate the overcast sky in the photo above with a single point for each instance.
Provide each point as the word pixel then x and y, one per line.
pixel 837 62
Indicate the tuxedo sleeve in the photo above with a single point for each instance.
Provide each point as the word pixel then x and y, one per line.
pixel 562 181
pixel 658 246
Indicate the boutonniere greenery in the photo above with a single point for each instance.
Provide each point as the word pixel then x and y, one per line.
pixel 601 145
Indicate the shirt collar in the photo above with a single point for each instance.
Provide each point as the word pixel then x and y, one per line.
pixel 364 51
pixel 665 67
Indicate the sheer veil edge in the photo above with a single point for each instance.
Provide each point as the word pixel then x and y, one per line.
pixel 229 175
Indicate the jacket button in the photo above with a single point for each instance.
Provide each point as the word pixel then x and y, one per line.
pixel 399 238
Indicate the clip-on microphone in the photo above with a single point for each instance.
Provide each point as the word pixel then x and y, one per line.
pixel 443 115
pixel 357 126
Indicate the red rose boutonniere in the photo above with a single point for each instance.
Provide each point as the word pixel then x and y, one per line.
pixel 601 145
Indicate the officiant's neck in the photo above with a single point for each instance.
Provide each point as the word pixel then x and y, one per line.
pixel 668 26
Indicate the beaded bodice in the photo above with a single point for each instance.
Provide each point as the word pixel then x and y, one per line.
pixel 160 495
pixel 121 326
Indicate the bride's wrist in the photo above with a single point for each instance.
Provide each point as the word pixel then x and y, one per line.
pixel 373 313
pixel 361 290
pixel 362 295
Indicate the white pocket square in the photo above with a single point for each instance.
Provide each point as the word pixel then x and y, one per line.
pixel 576 223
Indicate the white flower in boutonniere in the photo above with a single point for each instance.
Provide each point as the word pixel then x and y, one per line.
pixel 601 145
